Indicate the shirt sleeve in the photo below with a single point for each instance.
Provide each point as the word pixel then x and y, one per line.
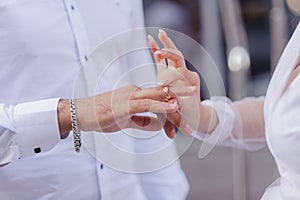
pixel 241 123
pixel 28 128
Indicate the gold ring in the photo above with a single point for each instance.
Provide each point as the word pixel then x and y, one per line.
pixel 167 94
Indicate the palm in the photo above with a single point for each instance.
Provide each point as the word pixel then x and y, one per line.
pixel 177 74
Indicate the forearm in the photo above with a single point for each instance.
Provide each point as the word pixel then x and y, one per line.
pixel 239 124
pixel 249 119
pixel 248 114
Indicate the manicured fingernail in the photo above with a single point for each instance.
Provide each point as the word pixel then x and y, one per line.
pixel 158 52
pixel 150 37
pixel 162 31
pixel 188 128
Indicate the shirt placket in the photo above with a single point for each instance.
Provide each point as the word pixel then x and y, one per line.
pixel 82 49
pixel 78 29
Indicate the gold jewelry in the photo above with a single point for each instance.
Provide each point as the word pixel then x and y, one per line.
pixel 167 94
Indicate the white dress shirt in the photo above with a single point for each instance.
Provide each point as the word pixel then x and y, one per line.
pixel 43 45
pixel 282 125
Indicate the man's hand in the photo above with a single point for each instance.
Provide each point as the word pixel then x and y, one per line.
pixel 117 109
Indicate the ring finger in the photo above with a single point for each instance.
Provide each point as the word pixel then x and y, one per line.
pixel 158 93
pixel 177 120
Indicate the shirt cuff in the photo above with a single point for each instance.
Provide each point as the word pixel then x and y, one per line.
pixel 226 116
pixel 37 126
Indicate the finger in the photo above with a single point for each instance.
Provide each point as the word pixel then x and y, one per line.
pixel 176 119
pixel 145 123
pixel 160 62
pixel 170 76
pixel 162 117
pixel 168 126
pixel 152 44
pixel 171 54
pixel 181 91
pixel 157 93
pixel 167 43
pixel 149 105
pixel 169 129
pixel 190 77
pixel 165 40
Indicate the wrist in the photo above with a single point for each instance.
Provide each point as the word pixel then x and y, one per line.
pixel 208 119
pixel 86 118
pixel 64 118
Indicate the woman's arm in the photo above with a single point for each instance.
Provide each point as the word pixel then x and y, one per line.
pixel 240 123
pixel 249 120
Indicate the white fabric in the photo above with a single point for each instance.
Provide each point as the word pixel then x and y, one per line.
pixel 278 126
pixel 43 44
pixel 36 117
pixel 283 124
pixel 231 130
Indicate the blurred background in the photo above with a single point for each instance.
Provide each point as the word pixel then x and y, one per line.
pixel 245 39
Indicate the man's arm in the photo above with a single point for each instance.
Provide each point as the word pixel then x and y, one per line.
pixel 34 127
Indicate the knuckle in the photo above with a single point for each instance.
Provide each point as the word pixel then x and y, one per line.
pixel 134 87
pixel 194 74
pixel 140 106
pixel 146 103
pixel 180 54
pixel 132 107
pixel 159 89
pixel 182 71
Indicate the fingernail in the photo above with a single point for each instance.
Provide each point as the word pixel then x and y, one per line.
pixel 173 132
pixel 188 128
pixel 162 31
pixel 150 37
pixel 158 52
pixel 172 105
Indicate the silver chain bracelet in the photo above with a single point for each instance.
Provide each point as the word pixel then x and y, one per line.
pixel 76 131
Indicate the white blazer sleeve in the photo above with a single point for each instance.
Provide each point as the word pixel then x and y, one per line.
pixel 27 128
pixel 241 123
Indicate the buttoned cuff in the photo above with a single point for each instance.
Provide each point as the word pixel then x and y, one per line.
pixel 225 113
pixel 37 126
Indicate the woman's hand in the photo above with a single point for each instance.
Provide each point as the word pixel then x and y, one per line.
pixel 117 109
pixel 177 74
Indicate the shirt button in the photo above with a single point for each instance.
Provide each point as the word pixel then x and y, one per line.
pixel 72 7
pixel 101 166
pixel 37 150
